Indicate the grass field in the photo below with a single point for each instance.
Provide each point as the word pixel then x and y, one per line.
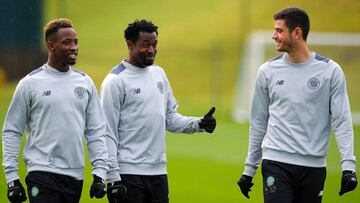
pixel 200 44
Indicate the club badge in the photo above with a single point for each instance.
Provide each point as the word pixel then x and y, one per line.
pixel 79 92
pixel 34 191
pixel 313 83
pixel 270 184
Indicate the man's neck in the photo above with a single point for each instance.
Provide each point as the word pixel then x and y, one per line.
pixel 58 66
pixel 134 63
pixel 299 54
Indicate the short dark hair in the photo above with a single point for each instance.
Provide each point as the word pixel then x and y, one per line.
pixel 132 31
pixel 295 17
pixel 53 26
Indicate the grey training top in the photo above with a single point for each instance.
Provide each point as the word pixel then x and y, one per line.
pixel 293 109
pixel 139 106
pixel 57 109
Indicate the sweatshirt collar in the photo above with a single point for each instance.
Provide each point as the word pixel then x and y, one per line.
pixel 53 70
pixel 134 68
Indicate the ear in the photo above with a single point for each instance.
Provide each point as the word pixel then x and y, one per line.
pixel 297 32
pixel 50 45
pixel 130 44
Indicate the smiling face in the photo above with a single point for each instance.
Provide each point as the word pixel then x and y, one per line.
pixel 63 48
pixel 282 36
pixel 142 52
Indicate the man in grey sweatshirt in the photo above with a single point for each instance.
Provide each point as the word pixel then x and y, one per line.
pixel 57 106
pixel 298 96
pixel 139 106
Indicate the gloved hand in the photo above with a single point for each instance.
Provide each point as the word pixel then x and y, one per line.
pixel 208 122
pixel 348 182
pixel 245 183
pixel 16 192
pixel 116 192
pixel 97 187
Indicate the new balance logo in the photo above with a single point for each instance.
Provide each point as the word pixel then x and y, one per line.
pixel 279 82
pixel 47 93
pixel 137 91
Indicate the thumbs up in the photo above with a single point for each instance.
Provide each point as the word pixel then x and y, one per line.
pixel 208 122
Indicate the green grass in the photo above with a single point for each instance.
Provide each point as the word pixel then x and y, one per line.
pixel 200 44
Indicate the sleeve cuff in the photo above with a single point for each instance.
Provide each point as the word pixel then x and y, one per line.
pixel 113 176
pixel 12 175
pixel 197 126
pixel 100 172
pixel 348 165
pixel 250 171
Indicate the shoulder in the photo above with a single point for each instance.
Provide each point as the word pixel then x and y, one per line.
pixel 77 71
pixel 321 58
pixel 81 74
pixel 36 71
pixel 276 61
pixel 157 69
pixel 276 58
pixel 327 62
pixel 118 69
pixel 114 77
pixel 32 75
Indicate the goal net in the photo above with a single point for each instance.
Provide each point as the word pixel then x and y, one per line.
pixel 343 48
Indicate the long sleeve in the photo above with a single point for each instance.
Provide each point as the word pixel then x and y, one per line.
pixel 14 125
pixel 341 119
pixel 95 135
pixel 258 124
pixel 110 97
pixel 176 122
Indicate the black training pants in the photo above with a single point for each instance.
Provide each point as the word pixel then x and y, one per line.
pixel 288 183
pixel 45 187
pixel 146 188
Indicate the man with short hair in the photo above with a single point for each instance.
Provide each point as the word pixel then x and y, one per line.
pixel 139 105
pixel 58 106
pixel 298 96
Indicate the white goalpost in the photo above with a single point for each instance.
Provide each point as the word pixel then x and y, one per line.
pixel 254 56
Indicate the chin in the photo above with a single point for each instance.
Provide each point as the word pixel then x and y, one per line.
pixel 71 62
pixel 149 63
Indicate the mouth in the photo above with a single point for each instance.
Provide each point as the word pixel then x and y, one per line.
pixel 73 56
pixel 277 43
pixel 150 58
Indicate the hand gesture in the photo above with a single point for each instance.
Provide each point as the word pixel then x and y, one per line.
pixel 208 122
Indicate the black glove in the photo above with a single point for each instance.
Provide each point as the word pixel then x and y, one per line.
pixel 348 182
pixel 116 192
pixel 97 187
pixel 208 122
pixel 16 192
pixel 245 183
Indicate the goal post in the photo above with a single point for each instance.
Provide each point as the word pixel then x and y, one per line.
pixel 254 56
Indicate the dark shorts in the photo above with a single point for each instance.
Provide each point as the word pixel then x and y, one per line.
pixel 146 189
pixel 45 187
pixel 287 183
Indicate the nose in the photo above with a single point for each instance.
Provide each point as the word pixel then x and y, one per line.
pixel 74 46
pixel 274 35
pixel 152 49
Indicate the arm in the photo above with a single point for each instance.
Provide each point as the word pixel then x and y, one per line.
pixel 341 120
pixel 258 123
pixel 14 125
pixel 95 134
pixel 258 126
pixel 111 96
